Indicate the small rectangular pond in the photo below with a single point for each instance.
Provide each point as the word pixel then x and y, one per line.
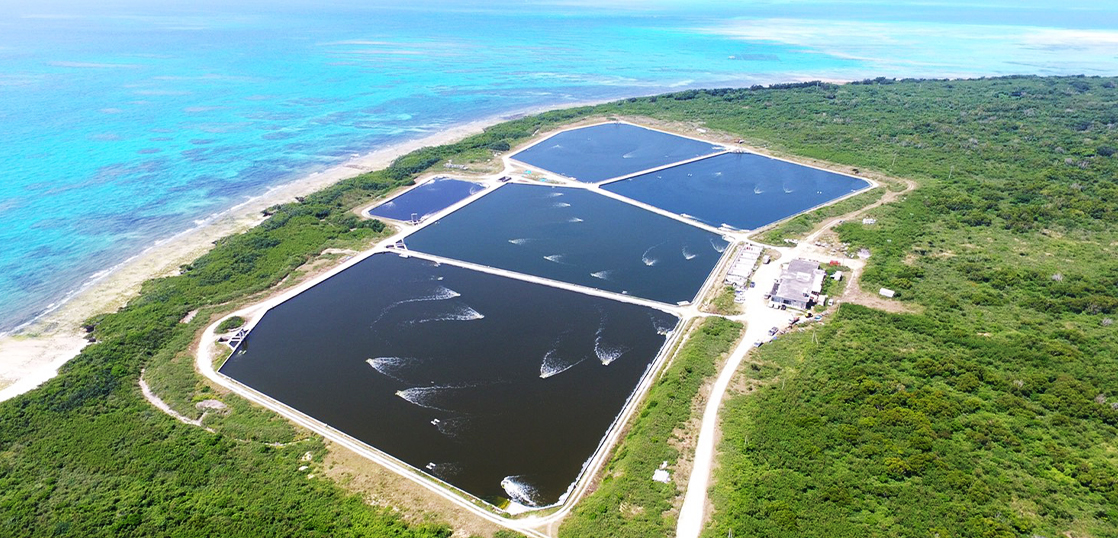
pixel 743 190
pixel 609 150
pixel 580 237
pixel 426 199
pixel 500 387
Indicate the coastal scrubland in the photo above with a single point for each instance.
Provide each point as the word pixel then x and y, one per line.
pixel 85 455
pixel 627 502
pixel 797 227
pixel 991 413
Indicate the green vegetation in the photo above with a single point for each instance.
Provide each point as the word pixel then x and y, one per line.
pixel 628 502
pixel 799 226
pixel 989 414
pixel 904 425
pixel 832 287
pixel 85 455
pixel 230 324
pixel 723 304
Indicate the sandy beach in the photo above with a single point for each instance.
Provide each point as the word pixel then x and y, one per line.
pixel 33 354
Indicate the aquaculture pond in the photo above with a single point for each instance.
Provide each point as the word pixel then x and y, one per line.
pixel 500 387
pixel 580 237
pixel 609 150
pixel 743 190
pixel 423 200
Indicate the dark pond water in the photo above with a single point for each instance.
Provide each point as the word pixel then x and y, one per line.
pixel 577 236
pixel 500 387
pixel 431 197
pixel 740 189
pixel 601 152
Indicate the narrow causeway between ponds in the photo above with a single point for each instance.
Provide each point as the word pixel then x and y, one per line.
pixel 577 236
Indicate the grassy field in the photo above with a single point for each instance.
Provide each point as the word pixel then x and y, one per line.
pixel 799 226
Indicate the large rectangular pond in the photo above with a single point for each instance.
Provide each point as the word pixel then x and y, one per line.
pixel 500 387
pixel 580 237
pixel 426 199
pixel 743 190
pixel 600 152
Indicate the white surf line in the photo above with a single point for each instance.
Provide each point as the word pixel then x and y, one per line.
pixel 585 290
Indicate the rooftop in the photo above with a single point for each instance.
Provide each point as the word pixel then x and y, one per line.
pixel 801 280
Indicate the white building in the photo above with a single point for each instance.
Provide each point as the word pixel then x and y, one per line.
pixel 799 285
pixel 742 268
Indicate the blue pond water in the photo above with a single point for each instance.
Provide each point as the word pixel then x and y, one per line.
pixel 600 152
pixel 743 190
pixel 431 197
pixel 500 387
pixel 577 236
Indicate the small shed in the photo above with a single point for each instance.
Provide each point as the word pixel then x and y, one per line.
pixel 886 292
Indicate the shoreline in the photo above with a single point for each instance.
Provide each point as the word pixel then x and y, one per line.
pixel 32 353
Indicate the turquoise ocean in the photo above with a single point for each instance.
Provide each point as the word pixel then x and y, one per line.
pixel 125 122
